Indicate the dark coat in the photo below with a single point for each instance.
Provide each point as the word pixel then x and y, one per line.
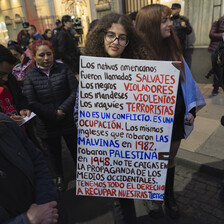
pixel 215 34
pixel 46 95
pixel 20 151
pixel 67 50
pixel 181 32
pixel 18 100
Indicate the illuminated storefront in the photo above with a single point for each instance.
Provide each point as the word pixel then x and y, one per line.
pixel 43 14
pixel 79 10
pixel 11 18
pixel 49 11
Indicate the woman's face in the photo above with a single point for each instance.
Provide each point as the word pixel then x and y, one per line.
pixel 115 40
pixel 16 54
pixel 48 34
pixel 44 56
pixel 31 40
pixel 165 27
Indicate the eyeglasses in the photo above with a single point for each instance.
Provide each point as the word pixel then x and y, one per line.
pixel 111 37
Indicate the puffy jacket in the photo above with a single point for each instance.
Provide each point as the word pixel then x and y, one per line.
pixel 216 34
pixel 47 94
pixel 20 151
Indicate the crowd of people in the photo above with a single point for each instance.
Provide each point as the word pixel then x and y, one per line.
pixel 38 74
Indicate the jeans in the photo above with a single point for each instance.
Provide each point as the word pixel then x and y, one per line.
pixel 215 80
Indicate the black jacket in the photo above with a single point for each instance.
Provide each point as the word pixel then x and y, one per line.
pixel 66 49
pixel 20 151
pixel 18 100
pixel 46 95
pixel 181 32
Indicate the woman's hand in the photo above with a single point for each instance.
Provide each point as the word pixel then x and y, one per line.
pixel 190 119
pixel 60 114
pixel 25 112
pixel 45 213
pixel 17 118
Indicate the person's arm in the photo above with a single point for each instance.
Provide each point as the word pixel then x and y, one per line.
pixel 20 219
pixel 191 117
pixel 69 102
pixel 45 214
pixel 62 42
pixel 222 120
pixel 47 112
pixel 44 208
pixel 187 28
pixel 19 100
pixel 214 34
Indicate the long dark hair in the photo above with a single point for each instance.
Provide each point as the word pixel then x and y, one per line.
pixel 12 45
pixel 148 23
pixel 6 55
pixel 45 35
pixel 95 39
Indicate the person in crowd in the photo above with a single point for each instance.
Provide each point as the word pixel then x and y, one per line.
pixel 28 194
pixel 16 51
pixel 221 193
pixel 50 88
pixel 75 35
pixel 181 26
pixel 33 33
pixel 133 16
pixel 28 51
pixel 13 103
pixel 23 65
pixel 58 27
pixel 66 47
pixel 216 36
pixel 93 24
pixel 23 36
pixel 154 25
pixel 114 36
pixel 47 35
pixel 190 40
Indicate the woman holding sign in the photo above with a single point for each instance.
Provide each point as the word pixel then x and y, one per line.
pixel 114 36
pixel 50 89
pixel 155 27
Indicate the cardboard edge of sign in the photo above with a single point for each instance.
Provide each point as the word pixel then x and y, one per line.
pixel 177 64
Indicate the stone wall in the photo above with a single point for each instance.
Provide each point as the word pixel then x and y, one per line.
pixel 201 14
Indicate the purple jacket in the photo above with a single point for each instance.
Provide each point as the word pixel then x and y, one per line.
pixel 216 34
pixel 19 70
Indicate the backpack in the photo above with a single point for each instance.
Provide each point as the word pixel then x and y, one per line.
pixel 218 64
